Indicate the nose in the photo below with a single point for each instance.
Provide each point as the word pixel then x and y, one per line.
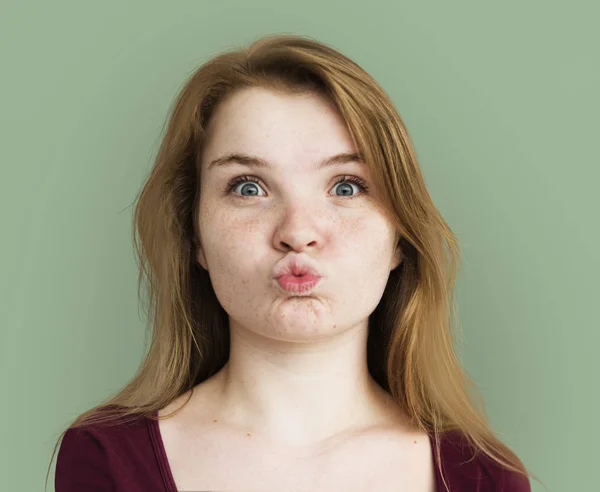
pixel 298 245
pixel 299 228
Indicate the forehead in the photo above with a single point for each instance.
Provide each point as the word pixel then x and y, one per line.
pixel 277 128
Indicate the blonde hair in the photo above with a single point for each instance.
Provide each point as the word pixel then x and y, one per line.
pixel 410 341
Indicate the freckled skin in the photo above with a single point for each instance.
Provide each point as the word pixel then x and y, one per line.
pixel 294 208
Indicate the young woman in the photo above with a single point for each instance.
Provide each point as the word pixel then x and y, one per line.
pixel 300 282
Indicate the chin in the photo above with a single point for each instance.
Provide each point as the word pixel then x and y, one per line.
pixel 302 331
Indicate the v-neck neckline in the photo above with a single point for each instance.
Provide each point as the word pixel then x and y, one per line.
pixel 167 474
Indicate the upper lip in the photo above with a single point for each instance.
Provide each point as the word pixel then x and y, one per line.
pixel 295 265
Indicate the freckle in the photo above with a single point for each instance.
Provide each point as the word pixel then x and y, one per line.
pixel 215 420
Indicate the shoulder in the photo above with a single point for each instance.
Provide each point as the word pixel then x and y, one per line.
pixel 466 468
pixel 118 430
pixel 99 456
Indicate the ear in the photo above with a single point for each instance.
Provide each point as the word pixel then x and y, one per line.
pixel 397 258
pixel 199 254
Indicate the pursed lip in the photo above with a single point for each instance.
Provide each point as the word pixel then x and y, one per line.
pixel 298 285
pixel 297 265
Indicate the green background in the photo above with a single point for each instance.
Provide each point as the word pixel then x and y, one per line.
pixel 500 98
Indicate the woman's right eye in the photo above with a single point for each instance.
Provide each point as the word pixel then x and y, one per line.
pixel 242 180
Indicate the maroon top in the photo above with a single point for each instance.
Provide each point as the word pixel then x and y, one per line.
pixel 130 457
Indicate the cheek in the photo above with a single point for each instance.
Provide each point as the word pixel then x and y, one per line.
pixel 367 248
pixel 371 235
pixel 230 271
pixel 223 233
pixel 228 252
pixel 233 260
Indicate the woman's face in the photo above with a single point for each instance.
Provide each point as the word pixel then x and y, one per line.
pixel 294 209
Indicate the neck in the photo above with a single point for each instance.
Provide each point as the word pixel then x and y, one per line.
pixel 301 394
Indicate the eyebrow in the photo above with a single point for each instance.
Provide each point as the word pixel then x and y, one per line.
pixel 253 161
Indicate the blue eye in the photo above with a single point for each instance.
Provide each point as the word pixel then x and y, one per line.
pixel 363 188
pixel 239 180
pixel 354 180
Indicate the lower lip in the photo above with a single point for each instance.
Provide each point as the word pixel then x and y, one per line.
pixel 298 285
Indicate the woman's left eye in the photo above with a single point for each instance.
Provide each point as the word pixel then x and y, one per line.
pixel 356 181
pixel 360 183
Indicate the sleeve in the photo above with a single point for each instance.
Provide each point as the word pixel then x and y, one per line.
pixel 515 482
pixel 82 464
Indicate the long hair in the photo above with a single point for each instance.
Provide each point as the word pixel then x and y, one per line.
pixel 410 347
